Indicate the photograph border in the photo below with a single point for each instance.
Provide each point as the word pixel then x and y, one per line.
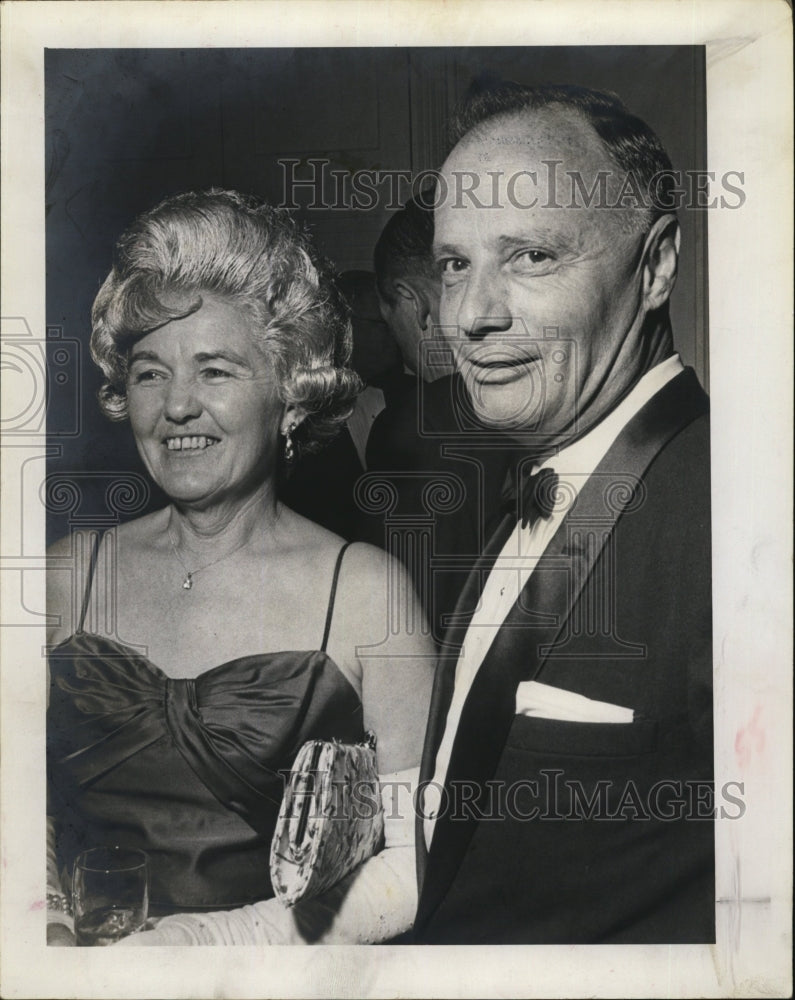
pixel 749 115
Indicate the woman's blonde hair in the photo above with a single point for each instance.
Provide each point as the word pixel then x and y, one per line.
pixel 255 256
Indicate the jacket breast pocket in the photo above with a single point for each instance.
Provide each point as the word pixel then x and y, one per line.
pixel 582 739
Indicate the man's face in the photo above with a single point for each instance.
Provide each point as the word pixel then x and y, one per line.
pixel 542 305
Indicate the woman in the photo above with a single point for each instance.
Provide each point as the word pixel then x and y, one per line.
pixel 212 638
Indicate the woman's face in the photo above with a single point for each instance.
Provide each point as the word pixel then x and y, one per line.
pixel 204 406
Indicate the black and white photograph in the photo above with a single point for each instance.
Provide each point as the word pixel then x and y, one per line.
pixel 396 501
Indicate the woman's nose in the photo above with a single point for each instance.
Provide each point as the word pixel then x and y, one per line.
pixel 182 400
pixel 484 308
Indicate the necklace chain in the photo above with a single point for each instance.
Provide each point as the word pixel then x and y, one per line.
pixel 187 583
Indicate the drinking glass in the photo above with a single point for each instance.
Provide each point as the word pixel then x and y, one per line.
pixel 110 894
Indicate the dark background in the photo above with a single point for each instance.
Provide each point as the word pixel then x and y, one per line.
pixel 126 127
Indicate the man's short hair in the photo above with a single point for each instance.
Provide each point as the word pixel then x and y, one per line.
pixel 628 140
pixel 404 248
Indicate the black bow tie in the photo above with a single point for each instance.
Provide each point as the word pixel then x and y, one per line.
pixel 534 497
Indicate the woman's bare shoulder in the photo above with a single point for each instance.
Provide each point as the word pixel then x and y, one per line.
pixel 64 547
pixel 374 588
pixel 140 532
pixel 68 561
pixel 315 547
pixel 69 567
pixel 305 532
pixel 365 565
pixel 131 532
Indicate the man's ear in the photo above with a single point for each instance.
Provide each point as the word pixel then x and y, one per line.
pixel 417 302
pixel 660 261
pixel 384 307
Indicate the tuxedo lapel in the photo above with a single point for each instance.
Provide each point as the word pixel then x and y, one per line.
pixel 521 645
pixel 444 680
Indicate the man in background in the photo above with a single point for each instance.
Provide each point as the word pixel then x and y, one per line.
pixel 427 441
pixel 408 286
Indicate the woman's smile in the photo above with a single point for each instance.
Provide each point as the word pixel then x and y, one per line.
pixel 192 444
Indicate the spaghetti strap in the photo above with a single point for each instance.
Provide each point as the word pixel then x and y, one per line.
pixel 332 595
pixel 92 565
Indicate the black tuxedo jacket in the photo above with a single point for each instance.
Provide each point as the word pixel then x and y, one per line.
pixel 567 832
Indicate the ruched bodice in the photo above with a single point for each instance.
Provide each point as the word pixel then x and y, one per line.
pixel 187 769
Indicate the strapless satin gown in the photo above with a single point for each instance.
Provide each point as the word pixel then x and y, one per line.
pixel 191 771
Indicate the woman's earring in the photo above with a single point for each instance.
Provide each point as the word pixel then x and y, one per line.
pixel 289 447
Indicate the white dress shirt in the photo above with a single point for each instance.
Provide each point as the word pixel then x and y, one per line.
pixel 520 554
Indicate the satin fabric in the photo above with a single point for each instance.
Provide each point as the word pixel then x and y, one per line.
pixel 190 770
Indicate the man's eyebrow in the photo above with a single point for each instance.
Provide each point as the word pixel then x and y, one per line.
pixel 547 237
pixel 440 250
pixel 551 238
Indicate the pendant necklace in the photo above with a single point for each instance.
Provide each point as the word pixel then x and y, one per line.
pixel 187 583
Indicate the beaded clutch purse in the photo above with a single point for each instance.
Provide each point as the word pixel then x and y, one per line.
pixel 331 819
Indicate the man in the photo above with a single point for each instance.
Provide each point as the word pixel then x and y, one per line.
pixel 428 434
pixel 408 285
pixel 568 760
pixel 376 359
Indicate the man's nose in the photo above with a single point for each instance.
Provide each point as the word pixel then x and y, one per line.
pixel 182 402
pixel 484 308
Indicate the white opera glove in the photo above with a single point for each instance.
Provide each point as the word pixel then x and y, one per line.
pixel 373 904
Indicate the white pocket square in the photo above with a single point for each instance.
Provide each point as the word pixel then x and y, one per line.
pixel 541 701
